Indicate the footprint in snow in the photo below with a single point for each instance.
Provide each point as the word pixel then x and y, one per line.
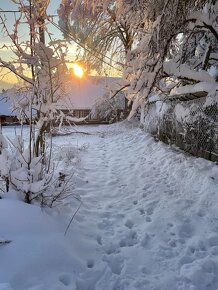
pixel 185 230
pixel 129 224
pixel 195 251
pixel 145 240
pixel 90 263
pixel 170 192
pixel 151 206
pixel 213 241
pixel 170 225
pixel 106 214
pixel 120 215
pixel 65 279
pixel 201 273
pixel 172 243
pixel 113 182
pixel 150 211
pixel 145 270
pixel 148 219
pixel 146 193
pixel 122 185
pixel 105 224
pixel 129 240
pixel 147 187
pixel 111 248
pixel 201 213
pixel 142 211
pixel 115 263
pixel 99 239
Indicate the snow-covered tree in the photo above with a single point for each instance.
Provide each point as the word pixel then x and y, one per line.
pixel 43 87
pixel 41 70
pixel 146 62
pixel 159 30
pixel 103 30
pixel 195 66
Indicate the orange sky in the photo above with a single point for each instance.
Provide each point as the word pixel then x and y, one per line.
pixel 23 34
pixel 6 55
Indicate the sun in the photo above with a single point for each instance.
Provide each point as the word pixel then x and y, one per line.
pixel 78 70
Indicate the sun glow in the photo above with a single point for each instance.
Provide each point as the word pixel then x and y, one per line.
pixel 78 70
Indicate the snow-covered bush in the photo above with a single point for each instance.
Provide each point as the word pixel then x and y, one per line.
pixel 47 182
pixel 21 171
pixel 69 154
pixel 111 109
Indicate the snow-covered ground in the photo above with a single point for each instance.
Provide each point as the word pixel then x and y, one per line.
pixel 149 220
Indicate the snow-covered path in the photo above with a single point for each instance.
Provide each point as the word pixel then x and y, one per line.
pixel 149 218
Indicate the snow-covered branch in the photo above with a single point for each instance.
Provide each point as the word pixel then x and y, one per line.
pixel 207 87
pixel 172 68
pixel 207 18
pixel 14 70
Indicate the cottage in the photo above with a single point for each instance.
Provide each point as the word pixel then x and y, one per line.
pixel 84 94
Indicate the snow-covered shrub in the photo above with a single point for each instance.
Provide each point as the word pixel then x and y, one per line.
pixel 35 178
pixel 111 109
pixel 21 171
pixel 69 154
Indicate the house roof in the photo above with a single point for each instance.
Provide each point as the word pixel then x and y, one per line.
pixel 83 93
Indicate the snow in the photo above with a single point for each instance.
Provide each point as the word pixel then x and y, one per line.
pixel 182 113
pixel 83 93
pixel 201 17
pixel 213 71
pixel 173 68
pixel 191 89
pixel 161 108
pixel 148 220
pixel 38 252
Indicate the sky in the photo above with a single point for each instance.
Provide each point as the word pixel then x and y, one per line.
pixel 5 55
pixel 7 78
pixel 52 10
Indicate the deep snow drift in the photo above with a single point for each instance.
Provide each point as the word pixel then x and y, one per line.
pixel 149 220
